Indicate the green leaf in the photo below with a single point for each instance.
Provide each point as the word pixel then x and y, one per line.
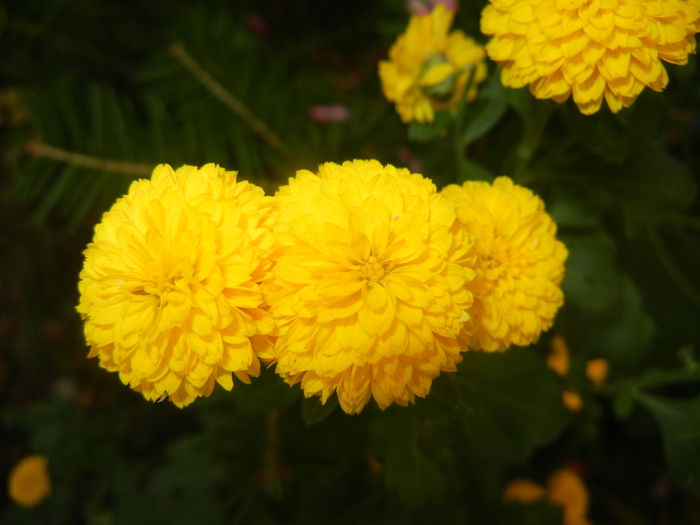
pixel 623 404
pixel 409 469
pixel 628 338
pixel 313 411
pixel 600 133
pixel 427 131
pixel 267 392
pixel 680 428
pixel 485 112
pixel 505 404
pixel 652 184
pixel 540 512
pixel 591 280
pixel 580 207
pixel 470 170
pixel 522 101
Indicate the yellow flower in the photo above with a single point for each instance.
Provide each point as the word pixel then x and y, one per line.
pixel 367 290
pixel 558 358
pixel 29 482
pixel 564 489
pixel 591 49
pixel 520 263
pixel 170 288
pixel 428 67
pixel 597 370
pixel 523 491
pixel 572 400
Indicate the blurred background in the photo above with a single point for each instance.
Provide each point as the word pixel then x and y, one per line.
pixel 93 94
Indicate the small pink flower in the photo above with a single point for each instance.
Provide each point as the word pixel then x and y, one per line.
pixel 257 24
pixel 406 157
pixel 423 7
pixel 329 113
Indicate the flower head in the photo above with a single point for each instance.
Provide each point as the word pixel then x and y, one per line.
pixel 591 49
pixel 29 482
pixel 367 290
pixel 565 488
pixel 572 400
pixel 429 68
pixel 597 370
pixel 558 359
pixel 170 287
pixel 519 263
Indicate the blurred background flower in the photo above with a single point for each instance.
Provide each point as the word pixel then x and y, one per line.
pixel 29 482
pixel 329 113
pixel 429 67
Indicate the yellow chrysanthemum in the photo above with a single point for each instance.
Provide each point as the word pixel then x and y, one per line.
pixel 519 263
pixel 591 49
pixel 428 67
pixel 29 483
pixel 369 288
pixel 170 288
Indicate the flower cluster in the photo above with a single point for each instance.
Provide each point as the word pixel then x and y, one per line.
pixel 429 68
pixel 589 50
pixel 170 287
pixel 360 280
pixel 519 263
pixel 564 489
pixel 368 288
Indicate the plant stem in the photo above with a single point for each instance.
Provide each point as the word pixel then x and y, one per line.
pixel 686 221
pixel 459 144
pixel 532 137
pixel 271 452
pixel 36 148
pixel 225 96
pixel 662 378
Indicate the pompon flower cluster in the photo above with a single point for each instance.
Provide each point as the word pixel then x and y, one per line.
pixel 359 279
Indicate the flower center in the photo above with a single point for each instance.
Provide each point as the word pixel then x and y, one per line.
pixel 489 261
pixel 441 86
pixel 372 269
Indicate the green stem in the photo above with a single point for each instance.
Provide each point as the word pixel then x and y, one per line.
pixel 672 269
pixel 685 221
pixel 225 96
pixel 36 148
pixel 460 144
pixel 270 458
pixel 656 380
pixel 531 138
